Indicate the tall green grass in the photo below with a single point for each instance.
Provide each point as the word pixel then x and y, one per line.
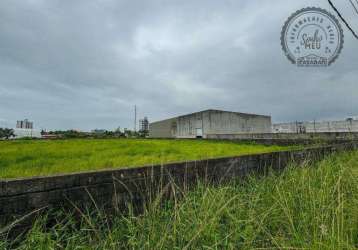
pixel 310 207
pixel 40 158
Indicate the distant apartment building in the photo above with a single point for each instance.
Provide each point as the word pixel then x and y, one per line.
pixel 144 124
pixel 24 124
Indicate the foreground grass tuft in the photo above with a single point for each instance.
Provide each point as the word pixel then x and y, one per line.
pixel 311 207
pixel 41 158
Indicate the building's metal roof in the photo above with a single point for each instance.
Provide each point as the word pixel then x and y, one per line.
pixel 215 110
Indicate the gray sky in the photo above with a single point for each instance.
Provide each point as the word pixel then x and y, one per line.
pixel 84 64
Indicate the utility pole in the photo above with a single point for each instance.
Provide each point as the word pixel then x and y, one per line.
pixel 135 118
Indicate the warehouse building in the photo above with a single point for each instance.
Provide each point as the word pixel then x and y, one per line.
pixel 201 124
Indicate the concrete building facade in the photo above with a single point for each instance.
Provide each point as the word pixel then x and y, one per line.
pixel 201 124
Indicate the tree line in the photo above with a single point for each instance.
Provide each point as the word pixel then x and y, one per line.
pixel 67 134
pixel 6 133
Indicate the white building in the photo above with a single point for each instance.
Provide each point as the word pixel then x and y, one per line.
pixel 25 128
pixel 22 133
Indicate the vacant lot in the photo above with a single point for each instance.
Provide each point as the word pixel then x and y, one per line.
pixel 313 207
pixel 40 158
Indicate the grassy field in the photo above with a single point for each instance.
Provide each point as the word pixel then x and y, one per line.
pixel 40 158
pixel 312 207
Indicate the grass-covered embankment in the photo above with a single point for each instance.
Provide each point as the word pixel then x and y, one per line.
pixel 313 207
pixel 40 158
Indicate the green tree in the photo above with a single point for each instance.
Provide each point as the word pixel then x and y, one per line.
pixel 6 133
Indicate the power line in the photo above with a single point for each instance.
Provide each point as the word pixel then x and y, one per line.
pixel 355 8
pixel 342 18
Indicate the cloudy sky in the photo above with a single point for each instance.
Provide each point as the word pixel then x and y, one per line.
pixel 85 64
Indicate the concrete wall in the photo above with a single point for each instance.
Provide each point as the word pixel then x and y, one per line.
pixel 114 189
pixel 163 129
pixel 319 127
pixel 212 122
pixel 288 138
pixel 218 122
pixel 188 125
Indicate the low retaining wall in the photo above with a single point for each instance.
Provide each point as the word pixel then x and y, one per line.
pixel 115 188
pixel 290 138
pixel 329 136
